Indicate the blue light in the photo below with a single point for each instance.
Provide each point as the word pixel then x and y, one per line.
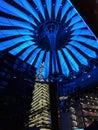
pixel 14 23
pixel 53 66
pixel 65 9
pixel 57 7
pixel 80 57
pixel 83 32
pixel 56 66
pixel 84 49
pixel 9 9
pixel 46 65
pixel 71 61
pixel 39 61
pixel 40 7
pixel 15 41
pixel 28 7
pixel 92 43
pixel 70 14
pixel 79 25
pixel 3 36
pixel 33 56
pixel 32 37
pixel 75 20
pixel 87 41
pixel 27 52
pixel 54 63
pixel 63 64
pixel 13 32
pixel 49 7
pixel 21 47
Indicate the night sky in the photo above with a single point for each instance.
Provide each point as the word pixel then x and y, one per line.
pixel 88 9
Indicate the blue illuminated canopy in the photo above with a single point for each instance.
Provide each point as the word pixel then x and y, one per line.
pixel 38 31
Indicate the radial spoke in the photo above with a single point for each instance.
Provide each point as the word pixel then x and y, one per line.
pixel 64 9
pixel 80 57
pixel 39 60
pixel 70 14
pixel 33 56
pixel 40 7
pixel 84 32
pixel 13 32
pixel 64 66
pixel 57 7
pixel 14 23
pixel 18 49
pixel 25 4
pixel 24 55
pixel 85 40
pixel 84 49
pixel 15 41
pixel 9 9
pixel 46 65
pixel 79 25
pixel 49 7
pixel 71 61
pixel 75 20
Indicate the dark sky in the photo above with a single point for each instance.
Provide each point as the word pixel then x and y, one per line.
pixel 88 9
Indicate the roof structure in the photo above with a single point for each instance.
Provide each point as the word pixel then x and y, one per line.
pixel 47 31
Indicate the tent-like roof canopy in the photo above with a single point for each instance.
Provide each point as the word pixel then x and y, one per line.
pixel 47 31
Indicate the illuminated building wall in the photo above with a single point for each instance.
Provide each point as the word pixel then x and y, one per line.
pixel 40 115
pixel 89 104
pixel 85 108
pixel 82 107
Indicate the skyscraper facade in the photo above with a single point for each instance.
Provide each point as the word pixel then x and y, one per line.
pixel 40 115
